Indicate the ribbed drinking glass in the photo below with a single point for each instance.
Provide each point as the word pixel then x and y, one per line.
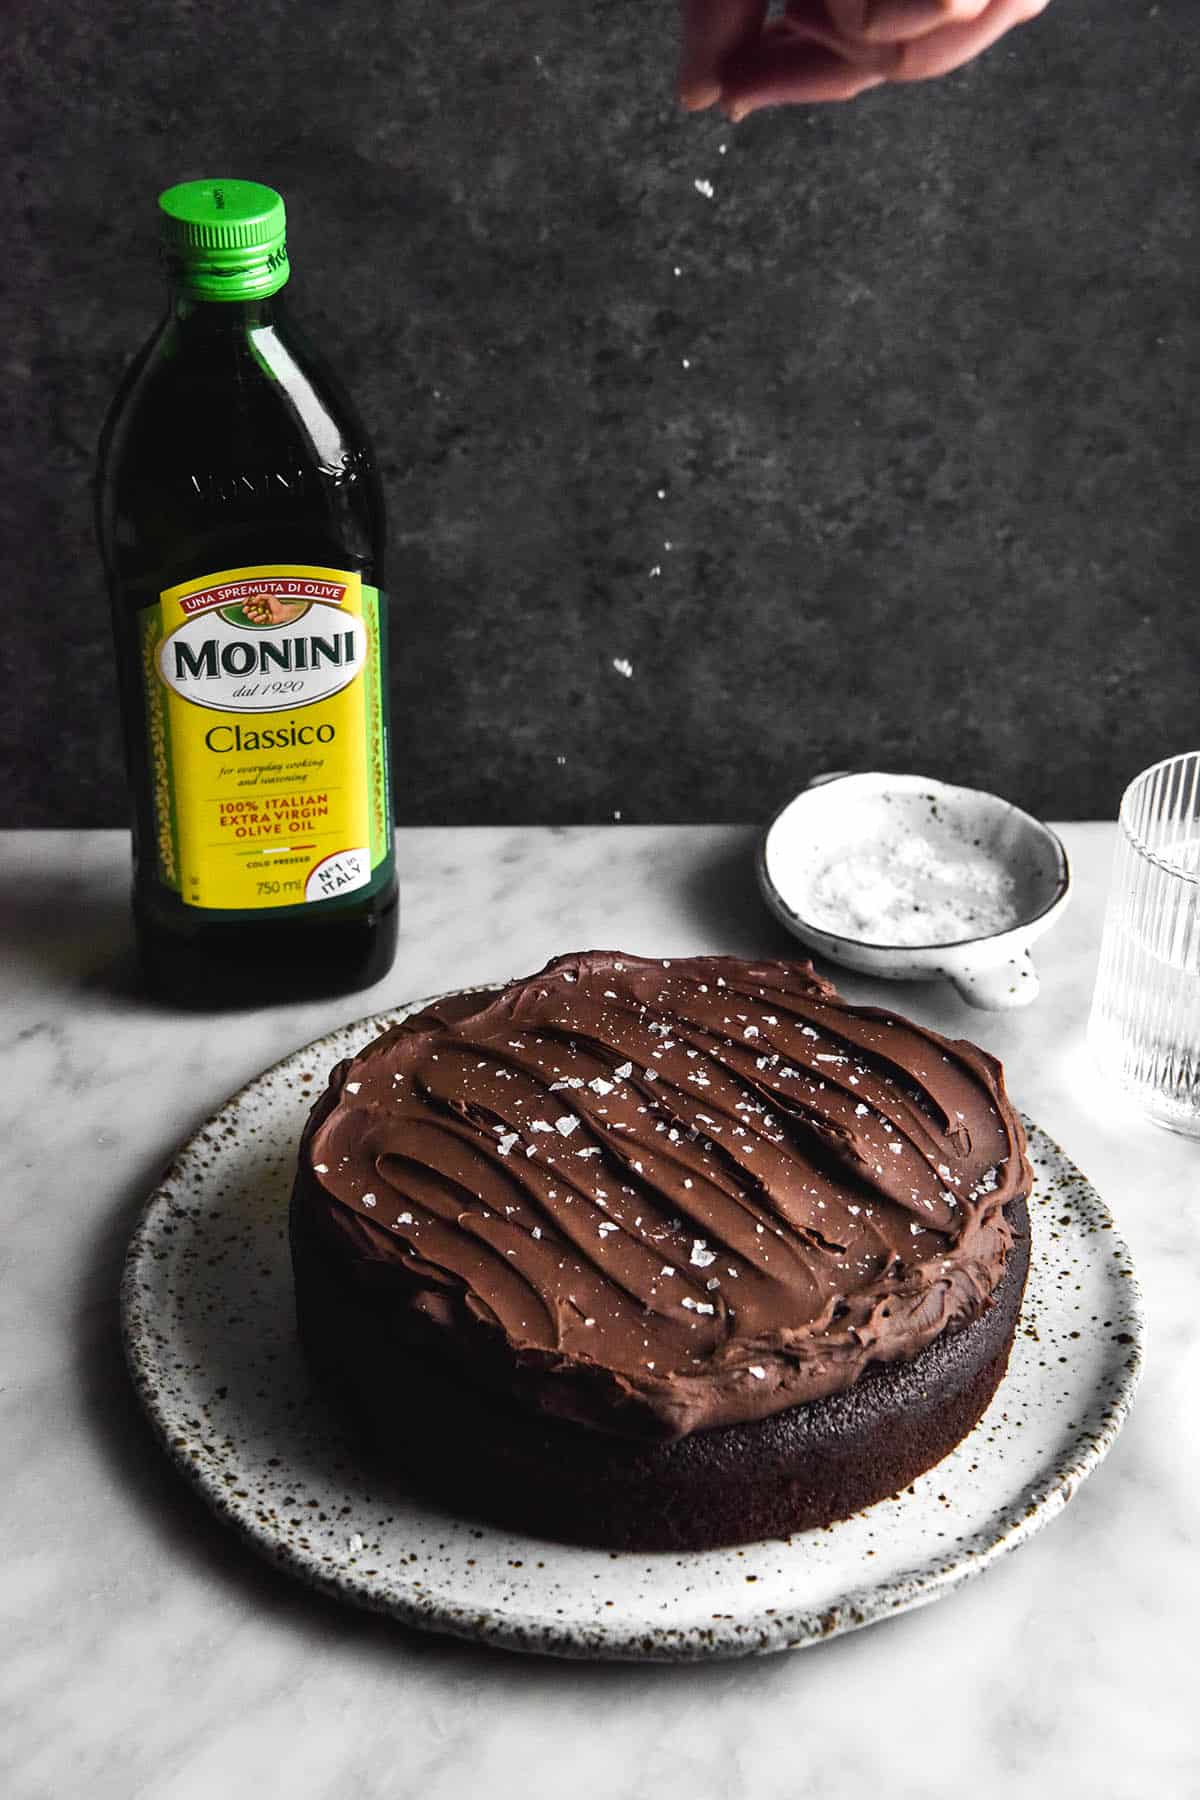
pixel 1145 1023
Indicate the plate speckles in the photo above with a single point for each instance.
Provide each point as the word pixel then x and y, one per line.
pixel 210 1338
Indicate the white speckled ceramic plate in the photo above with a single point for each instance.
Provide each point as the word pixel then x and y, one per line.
pixel 211 1342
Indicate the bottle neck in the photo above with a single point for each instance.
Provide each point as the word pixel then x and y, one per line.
pixel 224 318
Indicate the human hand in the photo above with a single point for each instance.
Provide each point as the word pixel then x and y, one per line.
pixel 733 56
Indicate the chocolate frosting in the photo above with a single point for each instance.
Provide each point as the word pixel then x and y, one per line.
pixel 659 1196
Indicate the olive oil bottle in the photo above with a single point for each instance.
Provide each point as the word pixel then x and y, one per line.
pixel 241 525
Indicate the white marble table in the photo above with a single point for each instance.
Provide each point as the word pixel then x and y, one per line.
pixel 146 1653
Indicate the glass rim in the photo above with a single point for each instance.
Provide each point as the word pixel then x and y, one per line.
pixel 1138 842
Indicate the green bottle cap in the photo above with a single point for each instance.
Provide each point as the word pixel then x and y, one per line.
pixel 224 240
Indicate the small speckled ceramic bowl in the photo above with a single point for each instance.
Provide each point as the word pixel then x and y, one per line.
pixel 843 816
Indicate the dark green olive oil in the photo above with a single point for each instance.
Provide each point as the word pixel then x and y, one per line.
pixel 241 525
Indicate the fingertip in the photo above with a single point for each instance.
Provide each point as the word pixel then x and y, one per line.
pixel 697 96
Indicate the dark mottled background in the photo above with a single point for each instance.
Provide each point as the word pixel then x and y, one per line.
pixel 883 454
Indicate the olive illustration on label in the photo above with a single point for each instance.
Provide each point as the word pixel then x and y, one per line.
pixel 272 609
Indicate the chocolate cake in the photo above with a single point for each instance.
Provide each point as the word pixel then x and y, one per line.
pixel 661 1254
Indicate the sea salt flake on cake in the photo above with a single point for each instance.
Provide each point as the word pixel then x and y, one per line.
pixel 566 1125
pixel 758 1372
pixel 701 1256
pixel 321 1168
pixel 598 1085
pixel 507 1141
pixel 368 1200
pixel 352 1087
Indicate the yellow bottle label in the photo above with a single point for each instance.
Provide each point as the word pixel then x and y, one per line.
pixel 267 736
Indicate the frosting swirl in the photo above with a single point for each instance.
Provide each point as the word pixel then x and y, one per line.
pixel 659 1196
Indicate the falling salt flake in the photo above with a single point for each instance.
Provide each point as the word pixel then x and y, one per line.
pixel 355 1544
pixel 566 1125
pixel 687 363
pixel 561 761
pixel 352 1087
pixel 506 1142
pixel 704 187
pixel 656 570
pixel 321 1168
pixel 678 270
pixel 368 1200
pixel 662 493
pixel 702 1257
pixel 758 1372
pixel 624 1072
pixel 617 817
pixel 623 666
